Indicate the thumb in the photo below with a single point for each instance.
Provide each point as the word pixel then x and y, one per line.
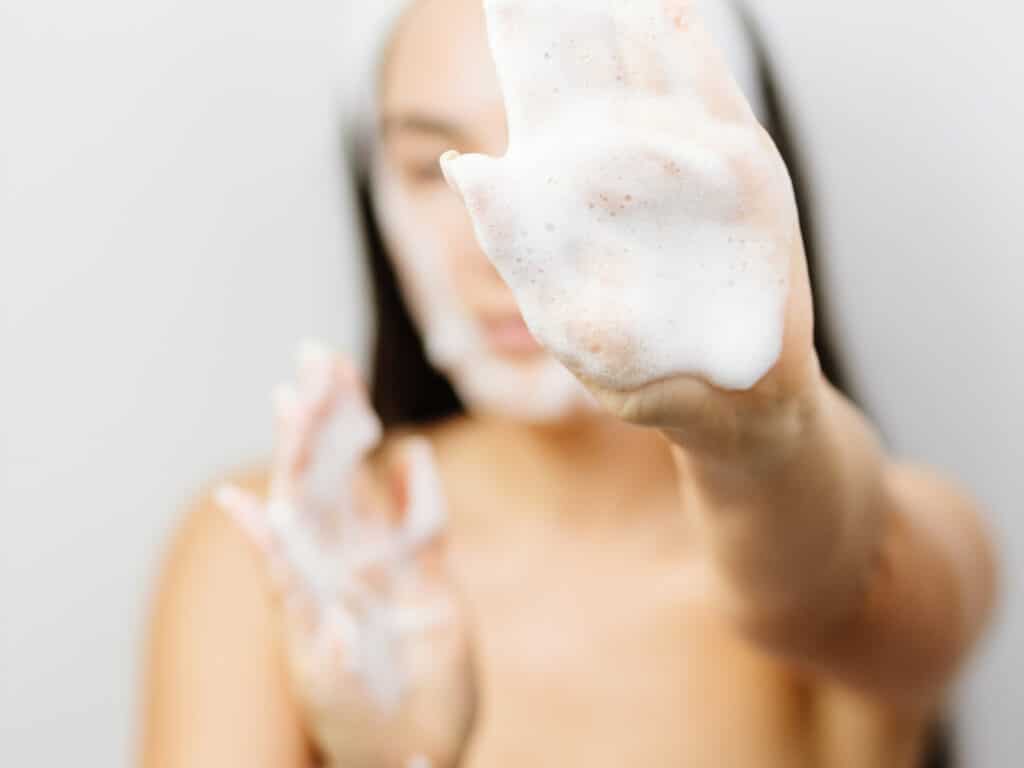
pixel 474 178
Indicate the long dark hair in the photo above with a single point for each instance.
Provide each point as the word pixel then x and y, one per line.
pixel 406 390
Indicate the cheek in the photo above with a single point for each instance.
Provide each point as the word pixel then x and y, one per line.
pixel 444 237
pixel 471 274
pixel 430 242
pixel 454 228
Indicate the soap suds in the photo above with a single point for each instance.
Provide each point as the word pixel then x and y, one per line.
pixel 622 215
pixel 322 539
pixel 539 390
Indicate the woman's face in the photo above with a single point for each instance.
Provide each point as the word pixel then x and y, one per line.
pixel 439 91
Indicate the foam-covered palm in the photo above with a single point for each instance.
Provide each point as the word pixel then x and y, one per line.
pixel 376 639
pixel 641 215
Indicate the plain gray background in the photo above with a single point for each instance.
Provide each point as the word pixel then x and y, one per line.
pixel 173 221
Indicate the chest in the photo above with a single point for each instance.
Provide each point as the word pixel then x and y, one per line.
pixel 594 645
pixel 596 651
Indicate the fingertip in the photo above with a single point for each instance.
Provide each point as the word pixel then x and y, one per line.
pixel 447 161
pixel 470 175
pixel 351 379
pixel 680 13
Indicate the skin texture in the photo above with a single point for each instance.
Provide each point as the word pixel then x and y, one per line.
pixel 692 577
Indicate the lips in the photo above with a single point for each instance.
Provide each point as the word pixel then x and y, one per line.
pixel 508 335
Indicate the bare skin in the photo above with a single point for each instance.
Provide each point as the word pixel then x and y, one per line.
pixel 656 595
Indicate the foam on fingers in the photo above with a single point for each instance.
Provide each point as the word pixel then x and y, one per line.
pixel 475 177
pixel 359 614
pixel 348 431
pixel 626 221
pixel 424 516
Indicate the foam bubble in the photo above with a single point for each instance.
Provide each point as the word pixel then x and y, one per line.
pixel 640 215
pixel 541 390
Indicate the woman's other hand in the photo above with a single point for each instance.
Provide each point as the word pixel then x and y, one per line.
pixel 376 640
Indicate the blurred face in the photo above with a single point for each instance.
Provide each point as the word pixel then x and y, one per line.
pixel 439 91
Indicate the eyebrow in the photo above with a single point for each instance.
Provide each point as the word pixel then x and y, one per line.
pixel 412 122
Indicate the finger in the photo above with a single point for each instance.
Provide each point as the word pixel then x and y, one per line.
pixel 249 511
pixel 421 587
pixel 328 628
pixel 324 645
pixel 683 30
pixel 477 180
pixel 346 431
pixel 326 427
pixel 379 663
pixel 480 182
pixel 421 500
pixel 392 546
pixel 287 405
pixel 695 58
pixel 312 393
pixel 646 50
pixel 544 48
pixel 270 528
pixel 316 385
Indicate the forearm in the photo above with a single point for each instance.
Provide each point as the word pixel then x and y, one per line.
pixel 877 575
pixel 791 526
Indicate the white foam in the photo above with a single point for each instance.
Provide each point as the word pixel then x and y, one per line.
pixel 540 390
pixel 640 218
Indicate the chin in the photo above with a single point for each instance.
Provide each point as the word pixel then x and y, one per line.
pixel 535 389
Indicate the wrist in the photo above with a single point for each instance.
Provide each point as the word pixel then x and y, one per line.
pixel 758 435
pixel 792 530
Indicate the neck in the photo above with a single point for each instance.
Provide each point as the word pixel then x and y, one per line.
pixel 586 434
pixel 595 466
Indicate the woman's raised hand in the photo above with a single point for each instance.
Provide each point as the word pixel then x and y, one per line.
pixel 376 639
pixel 643 218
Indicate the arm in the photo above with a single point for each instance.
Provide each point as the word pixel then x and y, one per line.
pixel 661 260
pixel 216 690
pixel 875 574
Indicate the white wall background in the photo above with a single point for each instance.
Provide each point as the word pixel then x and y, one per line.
pixel 172 220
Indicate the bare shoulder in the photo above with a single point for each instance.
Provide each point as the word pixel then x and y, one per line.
pixel 205 516
pixel 217 691
pixel 209 548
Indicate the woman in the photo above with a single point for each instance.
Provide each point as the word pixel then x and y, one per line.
pixel 691 552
